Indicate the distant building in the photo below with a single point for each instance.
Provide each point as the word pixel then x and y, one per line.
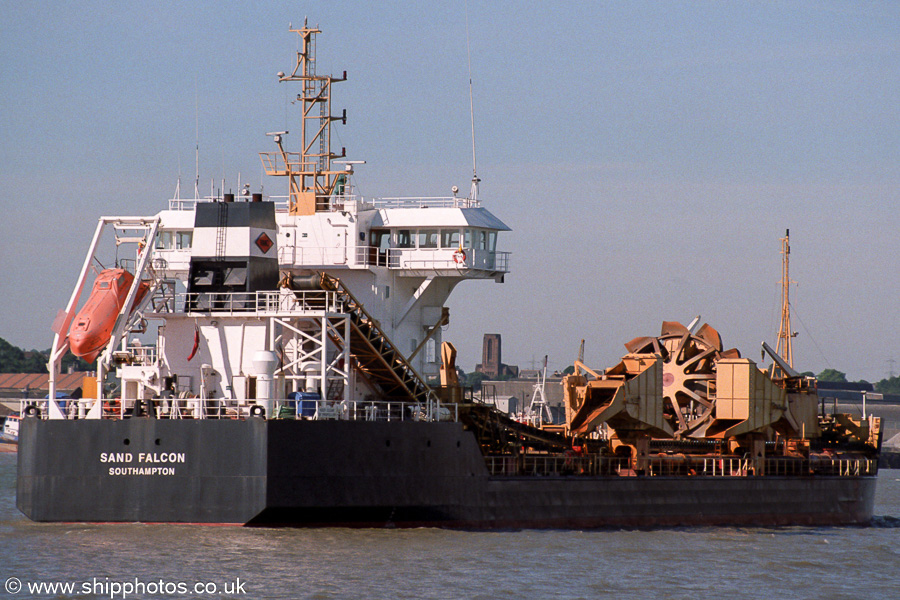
pixel 18 386
pixel 492 359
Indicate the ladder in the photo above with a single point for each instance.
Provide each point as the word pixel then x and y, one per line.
pixel 221 228
pixel 376 357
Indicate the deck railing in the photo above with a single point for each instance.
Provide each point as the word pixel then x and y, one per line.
pixel 555 466
pixel 229 303
pixel 195 408
pixel 429 259
pixel 348 202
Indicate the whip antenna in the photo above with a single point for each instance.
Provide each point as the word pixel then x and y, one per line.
pixel 197 140
pixel 473 193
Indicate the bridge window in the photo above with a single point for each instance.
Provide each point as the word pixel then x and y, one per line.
pixel 184 239
pixel 381 238
pixel 404 238
pixel 174 240
pixel 164 240
pixel 428 238
pixel 450 238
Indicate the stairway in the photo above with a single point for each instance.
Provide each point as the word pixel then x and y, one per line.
pixel 377 359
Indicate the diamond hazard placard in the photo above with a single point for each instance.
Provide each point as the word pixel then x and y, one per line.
pixel 264 242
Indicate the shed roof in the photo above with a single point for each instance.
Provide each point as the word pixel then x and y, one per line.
pixel 41 381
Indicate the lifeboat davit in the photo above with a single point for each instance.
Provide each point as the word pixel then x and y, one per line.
pixel 93 324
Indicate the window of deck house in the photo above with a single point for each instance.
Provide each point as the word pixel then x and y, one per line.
pixel 450 238
pixel 428 238
pixel 404 238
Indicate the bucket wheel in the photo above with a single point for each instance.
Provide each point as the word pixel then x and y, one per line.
pixel 689 364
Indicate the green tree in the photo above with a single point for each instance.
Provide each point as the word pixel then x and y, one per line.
pixel 832 375
pixel 473 380
pixel 78 364
pixel 16 360
pixel 888 386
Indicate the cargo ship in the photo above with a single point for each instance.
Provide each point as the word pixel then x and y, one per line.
pixel 278 361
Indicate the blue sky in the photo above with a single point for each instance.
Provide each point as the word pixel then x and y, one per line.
pixel 648 155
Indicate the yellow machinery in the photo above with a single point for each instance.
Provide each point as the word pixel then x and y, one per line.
pixel 683 385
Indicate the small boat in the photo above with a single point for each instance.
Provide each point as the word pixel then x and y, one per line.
pixel 10 432
pixel 94 323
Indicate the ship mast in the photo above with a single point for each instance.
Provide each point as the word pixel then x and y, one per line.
pixel 784 347
pixel 309 173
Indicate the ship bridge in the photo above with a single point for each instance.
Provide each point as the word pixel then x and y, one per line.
pixel 418 241
pixel 412 237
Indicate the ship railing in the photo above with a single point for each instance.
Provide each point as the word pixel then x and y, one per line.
pixel 844 467
pixel 667 466
pixel 367 410
pixel 422 259
pixel 278 164
pixel 424 202
pixel 183 203
pixel 353 203
pixel 347 202
pixel 187 204
pixel 240 303
pixel 731 467
pixel 778 466
pixel 432 259
pixel 191 203
pixel 539 465
pixel 136 354
pixel 69 408
pixel 219 408
pixel 471 259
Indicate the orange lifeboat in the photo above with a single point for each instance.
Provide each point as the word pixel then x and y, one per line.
pixel 93 324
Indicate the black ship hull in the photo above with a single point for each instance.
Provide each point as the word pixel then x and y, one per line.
pixel 352 473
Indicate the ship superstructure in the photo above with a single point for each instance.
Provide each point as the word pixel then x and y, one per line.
pixel 237 275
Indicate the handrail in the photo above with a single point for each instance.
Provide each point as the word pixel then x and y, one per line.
pixel 471 259
pixel 195 408
pixel 556 465
pixel 341 202
pixel 276 301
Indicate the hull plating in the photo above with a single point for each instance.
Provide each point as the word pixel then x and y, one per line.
pixel 347 473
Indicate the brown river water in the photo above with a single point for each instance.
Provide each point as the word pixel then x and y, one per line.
pixel 41 560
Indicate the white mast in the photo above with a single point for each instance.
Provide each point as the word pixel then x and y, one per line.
pixel 783 346
pixel 539 406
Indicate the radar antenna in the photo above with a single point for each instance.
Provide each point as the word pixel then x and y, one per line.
pixel 473 192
